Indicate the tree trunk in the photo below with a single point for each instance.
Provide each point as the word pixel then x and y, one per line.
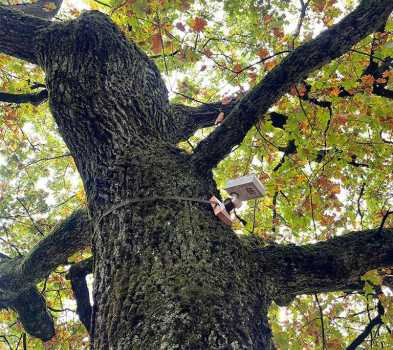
pixel 167 273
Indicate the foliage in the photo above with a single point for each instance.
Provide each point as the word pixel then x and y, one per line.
pixel 337 178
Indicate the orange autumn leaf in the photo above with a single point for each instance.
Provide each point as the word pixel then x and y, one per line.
pixel 368 79
pixel 388 74
pixel 198 24
pixel 270 64
pixel 335 344
pixel 336 189
pixel 319 5
pixel 267 19
pixel 327 220
pixel 262 53
pixel 156 43
pixel 335 91
pixel 237 68
pixel 10 115
pixel 303 125
pixel 278 32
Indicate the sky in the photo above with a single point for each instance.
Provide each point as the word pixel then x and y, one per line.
pixel 79 4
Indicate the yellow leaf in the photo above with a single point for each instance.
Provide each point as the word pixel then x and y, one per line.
pixel 335 189
pixel 49 6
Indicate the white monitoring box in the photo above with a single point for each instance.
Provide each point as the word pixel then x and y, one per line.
pixel 245 187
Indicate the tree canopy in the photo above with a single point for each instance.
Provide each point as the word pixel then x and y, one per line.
pixel 321 143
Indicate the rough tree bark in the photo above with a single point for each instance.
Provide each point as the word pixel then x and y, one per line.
pixel 19 276
pixel 167 274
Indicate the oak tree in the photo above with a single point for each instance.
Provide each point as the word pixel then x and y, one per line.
pixel 308 113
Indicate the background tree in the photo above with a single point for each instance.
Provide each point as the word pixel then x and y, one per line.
pixel 309 114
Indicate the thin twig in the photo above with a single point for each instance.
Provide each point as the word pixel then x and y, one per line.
pixel 324 347
pixel 261 61
pixel 312 211
pixel 367 331
pixel 11 245
pixel 47 159
pixel 5 340
pixel 172 54
pixel 30 217
pixel 388 212
pixel 303 11
pixel 367 54
pixel 103 4
pixel 254 216
pixel 190 144
pixel 274 211
pixel 359 203
pixel 118 7
pixel 189 97
pixel 327 125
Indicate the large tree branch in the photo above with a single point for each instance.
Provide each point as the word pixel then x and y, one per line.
pixel 330 44
pixel 34 99
pixel 77 275
pixel 18 276
pixel 33 314
pixel 333 265
pixel 18 32
pixel 70 236
pixel 189 119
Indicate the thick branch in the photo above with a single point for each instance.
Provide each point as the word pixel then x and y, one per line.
pixel 190 119
pixel 312 55
pixel 33 314
pixel 72 235
pixel 77 275
pixel 22 273
pixel 34 99
pixel 19 276
pixel 333 265
pixel 18 32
